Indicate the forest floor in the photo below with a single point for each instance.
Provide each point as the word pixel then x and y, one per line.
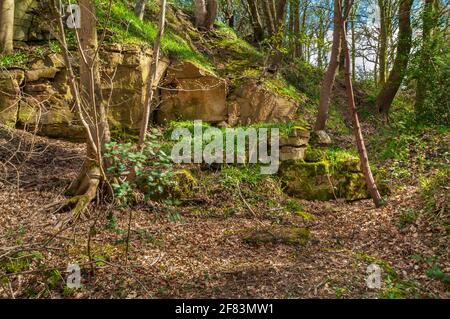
pixel 196 250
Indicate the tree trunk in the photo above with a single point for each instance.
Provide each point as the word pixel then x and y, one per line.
pixel 291 34
pixel 383 42
pixel 93 172
pixel 229 14
pixel 205 12
pixel 276 55
pixel 301 53
pixel 328 81
pixel 212 10
pixel 6 26
pixel 296 13
pixel 270 22
pixel 370 181
pixel 353 22
pixel 139 9
pixel 200 13
pixel 151 83
pixel 389 90
pixel 428 24
pixel 256 20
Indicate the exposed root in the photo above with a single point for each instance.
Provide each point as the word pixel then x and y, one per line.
pixel 83 191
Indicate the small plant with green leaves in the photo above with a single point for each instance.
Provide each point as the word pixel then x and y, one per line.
pixel 147 170
pixel 435 193
pixel 16 59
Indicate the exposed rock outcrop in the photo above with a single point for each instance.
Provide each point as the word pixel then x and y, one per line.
pixel 127 67
pixel 28 22
pixel 321 179
pixel 192 93
pixel 254 103
pixel 10 82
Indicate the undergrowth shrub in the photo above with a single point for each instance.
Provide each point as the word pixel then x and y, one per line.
pixel 435 192
pixel 148 170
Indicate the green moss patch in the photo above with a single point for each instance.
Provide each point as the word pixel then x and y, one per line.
pixel 288 235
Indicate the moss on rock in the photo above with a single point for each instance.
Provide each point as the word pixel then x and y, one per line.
pixel 324 177
pixel 184 184
pixel 314 155
pixel 277 234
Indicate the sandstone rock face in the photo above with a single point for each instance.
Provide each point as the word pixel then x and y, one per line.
pixel 253 103
pixel 29 21
pixel 40 97
pixel 46 103
pixel 10 82
pixel 293 147
pixel 191 93
pixel 291 153
pixel 128 68
pixel 321 138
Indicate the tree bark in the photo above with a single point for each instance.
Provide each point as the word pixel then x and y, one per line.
pixel 229 13
pixel 205 12
pixel 93 172
pixel 139 9
pixel 258 31
pixel 212 10
pixel 383 41
pixel 389 90
pixel 200 13
pixel 270 21
pixel 370 181
pixel 330 75
pixel 276 56
pixel 296 13
pixel 353 22
pixel 6 26
pixel 428 24
pixel 151 83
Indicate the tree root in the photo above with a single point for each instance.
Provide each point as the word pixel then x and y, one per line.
pixel 83 191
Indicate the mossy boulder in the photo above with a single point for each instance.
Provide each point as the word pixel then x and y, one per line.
pixel 307 180
pixel 313 155
pixel 184 184
pixel 277 234
pixel 319 178
pixel 320 138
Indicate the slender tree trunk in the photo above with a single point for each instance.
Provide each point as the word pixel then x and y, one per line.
pixel 389 90
pixel 320 41
pixel 428 24
pixel 370 181
pixel 276 55
pixel 212 10
pixel 375 69
pixel 273 10
pixel 256 20
pixel 200 12
pixel 93 172
pixel 302 33
pixel 205 13
pixel 270 22
pixel 296 36
pixel 139 9
pixel 151 83
pixel 353 22
pixel 383 41
pixel 6 26
pixel 229 14
pixel 291 29
pixel 328 81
